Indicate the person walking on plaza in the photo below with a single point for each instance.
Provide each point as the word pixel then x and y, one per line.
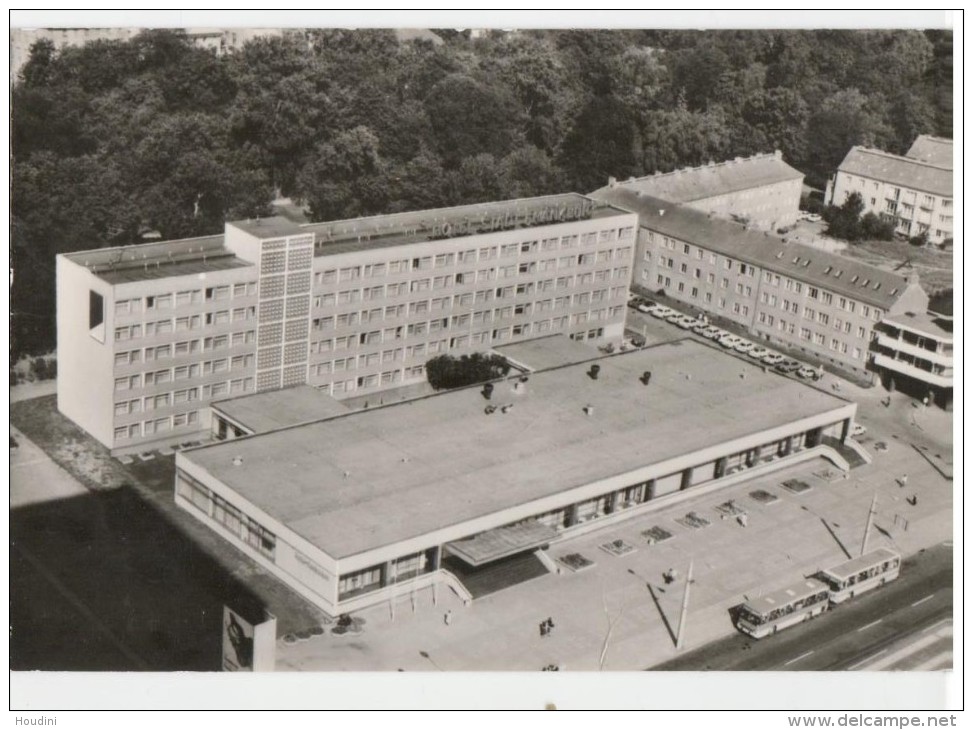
pixel 448 618
pixel 903 480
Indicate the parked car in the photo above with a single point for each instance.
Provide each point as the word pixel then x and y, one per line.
pixel 660 311
pixel 808 373
pixel 744 346
pixel 686 322
pixel 644 306
pixel 673 316
pixel 788 366
pixel 814 217
pixel 858 430
pixel 730 341
pixel 757 352
pixel 711 333
pixel 772 358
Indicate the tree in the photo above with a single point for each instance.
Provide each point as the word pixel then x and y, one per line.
pixel 469 117
pixel 779 118
pixel 345 178
pixel 477 180
pixel 601 144
pixel 843 221
pixel 527 172
pixel 845 119
pixel 446 371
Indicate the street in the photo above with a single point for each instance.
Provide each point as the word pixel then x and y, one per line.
pixel 847 636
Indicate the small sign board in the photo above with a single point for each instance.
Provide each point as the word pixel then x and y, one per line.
pixel 248 647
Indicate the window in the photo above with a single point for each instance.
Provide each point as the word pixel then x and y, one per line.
pixel 96 316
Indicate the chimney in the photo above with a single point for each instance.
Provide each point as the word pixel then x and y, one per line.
pixel 612 182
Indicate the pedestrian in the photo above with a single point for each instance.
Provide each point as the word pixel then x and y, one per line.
pixel 550 624
pixel 903 480
pixel 925 402
pixel 543 628
pixel 913 500
pixel 448 618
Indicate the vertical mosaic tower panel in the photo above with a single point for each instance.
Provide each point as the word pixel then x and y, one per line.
pixel 283 310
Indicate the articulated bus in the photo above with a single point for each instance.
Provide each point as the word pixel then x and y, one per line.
pixel 860 574
pixel 767 614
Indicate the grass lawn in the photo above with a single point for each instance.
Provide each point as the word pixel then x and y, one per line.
pixel 154 576
pixel 935 267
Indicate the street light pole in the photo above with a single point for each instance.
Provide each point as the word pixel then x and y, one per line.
pixel 685 607
pixel 868 523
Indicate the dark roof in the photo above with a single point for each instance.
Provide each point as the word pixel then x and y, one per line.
pixel 896 170
pixel 830 271
pixel 707 181
pixel 375 477
pixel 934 150
pixel 158 260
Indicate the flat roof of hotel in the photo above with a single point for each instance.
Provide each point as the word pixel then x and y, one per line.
pixel 397 229
pixel 159 260
pixel 377 477
pixel 275 409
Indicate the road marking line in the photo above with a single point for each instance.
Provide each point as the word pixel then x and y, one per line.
pixel 798 658
pixel 868 626
pixel 923 600
pixel 936 625
pixel 80 607
pixel 866 661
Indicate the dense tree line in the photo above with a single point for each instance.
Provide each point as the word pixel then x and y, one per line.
pixel 115 139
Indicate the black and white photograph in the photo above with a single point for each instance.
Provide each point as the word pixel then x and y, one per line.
pixel 612 345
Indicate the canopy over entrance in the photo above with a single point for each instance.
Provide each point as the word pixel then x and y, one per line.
pixel 501 541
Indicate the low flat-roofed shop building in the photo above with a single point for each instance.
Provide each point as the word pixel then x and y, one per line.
pixel 355 509
pixel 913 353
pixel 786 294
pixel 149 335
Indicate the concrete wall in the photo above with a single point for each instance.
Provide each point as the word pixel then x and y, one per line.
pixel 84 383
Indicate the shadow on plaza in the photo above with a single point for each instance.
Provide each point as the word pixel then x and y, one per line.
pixel 105 582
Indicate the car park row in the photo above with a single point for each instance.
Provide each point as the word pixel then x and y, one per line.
pixel 701 326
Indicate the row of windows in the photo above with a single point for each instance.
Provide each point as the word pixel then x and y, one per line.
pixel 156 426
pixel 184 372
pixel 769 277
pixel 170 300
pixel 461 320
pixel 227 516
pixel 486 253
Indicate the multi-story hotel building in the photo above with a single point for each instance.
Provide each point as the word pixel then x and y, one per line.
pixel 913 192
pixel 783 293
pixel 444 488
pixel 913 353
pixel 762 191
pixel 148 335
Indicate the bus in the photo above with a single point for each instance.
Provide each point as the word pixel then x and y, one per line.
pixel 861 574
pixel 769 613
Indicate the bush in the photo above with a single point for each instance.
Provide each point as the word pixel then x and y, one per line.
pixel 921 240
pixel 875 228
pixel 446 371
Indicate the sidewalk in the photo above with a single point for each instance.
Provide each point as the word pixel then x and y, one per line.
pixel 28 391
